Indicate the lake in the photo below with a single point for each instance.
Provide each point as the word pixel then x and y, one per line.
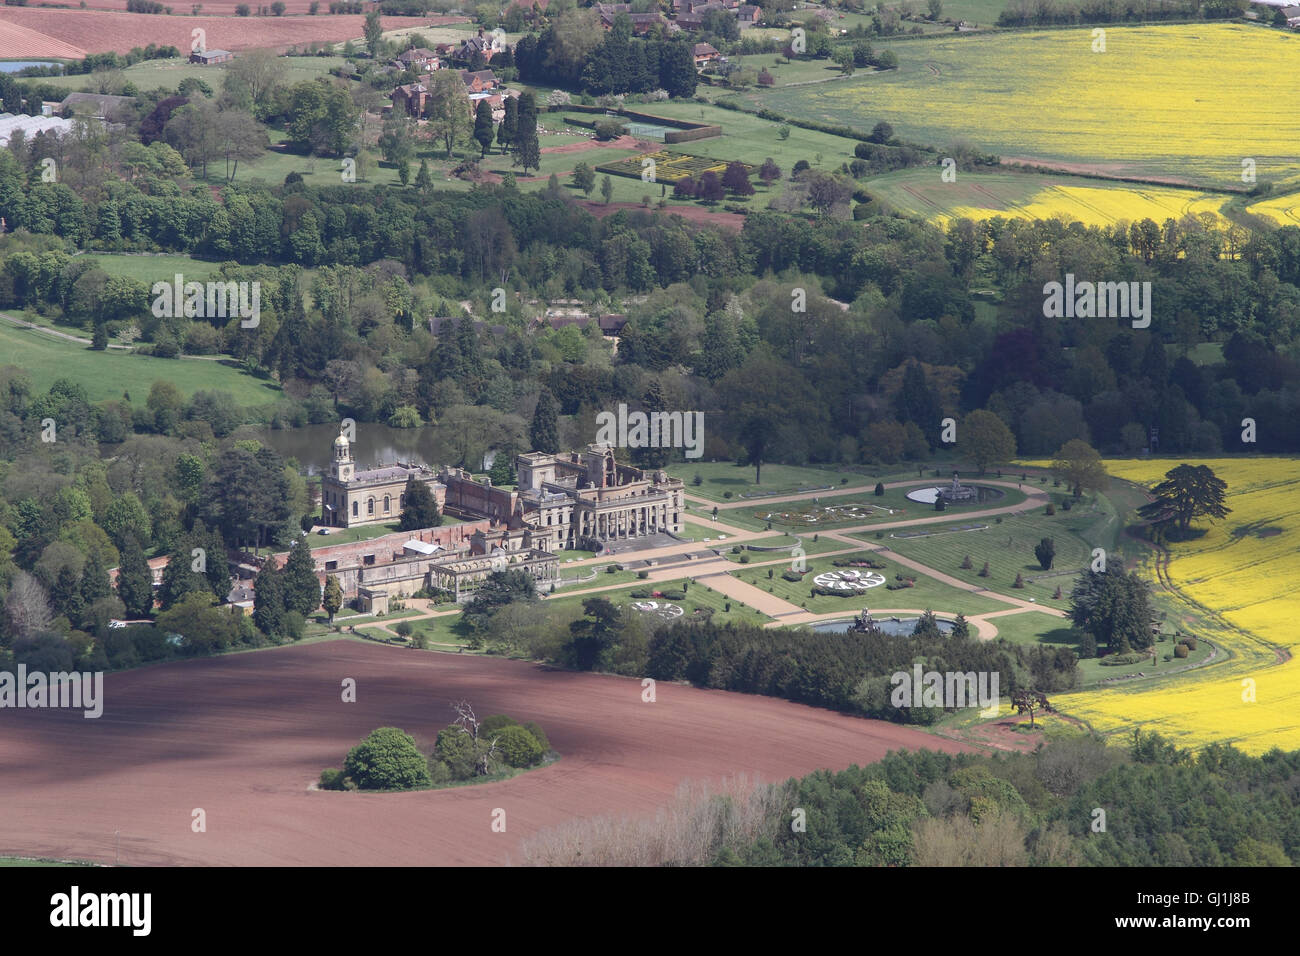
pixel 313 445
pixel 13 66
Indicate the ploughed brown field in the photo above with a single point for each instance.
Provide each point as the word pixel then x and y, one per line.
pixel 44 32
pixel 244 736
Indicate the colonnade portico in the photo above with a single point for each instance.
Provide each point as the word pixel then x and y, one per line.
pixel 625 522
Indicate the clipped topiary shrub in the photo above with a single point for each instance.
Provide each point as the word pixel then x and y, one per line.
pixel 676 594
pixel 1181 650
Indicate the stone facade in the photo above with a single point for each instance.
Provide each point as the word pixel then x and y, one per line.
pixel 374 496
pixel 573 500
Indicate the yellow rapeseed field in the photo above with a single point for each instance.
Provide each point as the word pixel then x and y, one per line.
pixel 1187 102
pixel 1285 210
pixel 1245 570
pixel 1099 206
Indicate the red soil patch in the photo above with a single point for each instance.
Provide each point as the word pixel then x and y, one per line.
pixel 728 220
pixel 105 32
pixel 243 737
pixel 622 142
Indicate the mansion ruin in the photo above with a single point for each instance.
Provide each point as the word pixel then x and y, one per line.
pixel 565 501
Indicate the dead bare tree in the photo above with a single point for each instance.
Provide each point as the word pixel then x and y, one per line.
pixel 465 718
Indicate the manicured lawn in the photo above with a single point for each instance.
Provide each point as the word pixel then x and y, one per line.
pixel 722 476
pixel 449 629
pixel 806 542
pixel 348 535
pixel 927 593
pixel 697 596
pixel 1009 550
pixel 602 579
pixel 106 375
pixel 699 530
pixel 848 510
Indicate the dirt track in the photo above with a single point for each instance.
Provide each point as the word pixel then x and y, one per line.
pixel 243 736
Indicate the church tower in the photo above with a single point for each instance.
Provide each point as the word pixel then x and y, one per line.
pixel 343 463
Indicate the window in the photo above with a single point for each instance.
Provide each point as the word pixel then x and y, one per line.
pixel 370 506
pixel 401 501
pixel 331 565
pixel 387 507
pixel 354 509
pixel 368 559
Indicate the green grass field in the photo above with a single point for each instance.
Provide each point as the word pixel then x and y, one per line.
pixel 150 269
pixel 106 375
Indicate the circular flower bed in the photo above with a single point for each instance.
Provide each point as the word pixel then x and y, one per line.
pixel 849 580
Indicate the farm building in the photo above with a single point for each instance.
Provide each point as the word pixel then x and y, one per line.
pixel 101 105
pixel 209 57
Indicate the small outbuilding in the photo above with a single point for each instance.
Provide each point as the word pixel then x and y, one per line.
pixel 209 57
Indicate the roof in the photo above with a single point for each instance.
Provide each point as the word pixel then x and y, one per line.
pixel 99 99
pixel 211 53
pixel 705 49
pixel 387 473
pixel 486 76
pixel 30 125
pixel 239 594
pixel 421 547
